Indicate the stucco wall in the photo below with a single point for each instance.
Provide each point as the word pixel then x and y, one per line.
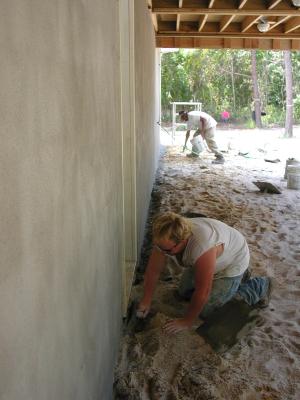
pixel 60 204
pixel 146 110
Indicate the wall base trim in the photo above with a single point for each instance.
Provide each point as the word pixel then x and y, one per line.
pixel 129 268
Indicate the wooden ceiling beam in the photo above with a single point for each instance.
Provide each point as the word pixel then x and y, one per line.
pixel 202 21
pixel 178 23
pixel 235 28
pixel 227 11
pixel 291 25
pixel 216 43
pixel 248 22
pixel 180 3
pixel 279 21
pixel 153 15
pixel 273 3
pixel 225 21
pixel 242 3
pixel 227 43
pixel 250 35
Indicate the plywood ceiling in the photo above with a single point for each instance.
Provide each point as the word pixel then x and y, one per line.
pixel 225 24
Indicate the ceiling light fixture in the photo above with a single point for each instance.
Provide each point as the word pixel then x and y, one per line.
pixel 263 25
pixel 296 3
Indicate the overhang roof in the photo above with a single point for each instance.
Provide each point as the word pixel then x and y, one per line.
pixel 225 24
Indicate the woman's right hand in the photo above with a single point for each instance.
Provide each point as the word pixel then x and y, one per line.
pixel 143 309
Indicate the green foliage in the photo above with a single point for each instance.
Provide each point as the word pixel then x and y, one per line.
pixel 297 109
pixel 221 80
pixel 242 115
pixel 174 79
pixel 275 115
pixel 249 124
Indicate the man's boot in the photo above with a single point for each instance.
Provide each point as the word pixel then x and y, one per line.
pixel 219 159
pixel 193 154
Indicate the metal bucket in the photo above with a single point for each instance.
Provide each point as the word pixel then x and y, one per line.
pixel 290 161
pixel 293 177
pixel 197 145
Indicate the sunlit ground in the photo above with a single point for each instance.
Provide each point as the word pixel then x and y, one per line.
pixel 252 143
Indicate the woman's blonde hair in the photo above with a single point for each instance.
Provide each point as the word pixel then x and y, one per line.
pixel 171 226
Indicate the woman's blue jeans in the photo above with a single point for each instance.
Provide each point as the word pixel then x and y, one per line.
pixel 225 289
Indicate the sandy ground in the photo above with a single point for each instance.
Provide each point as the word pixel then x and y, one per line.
pixel 264 362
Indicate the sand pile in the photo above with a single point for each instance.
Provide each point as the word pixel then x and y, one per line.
pixel 264 362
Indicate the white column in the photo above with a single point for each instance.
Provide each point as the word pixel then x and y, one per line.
pixel 127 74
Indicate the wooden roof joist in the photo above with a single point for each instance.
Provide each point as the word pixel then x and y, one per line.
pixel 226 19
pixel 248 22
pixel 226 11
pixel 233 34
pixel 227 43
pixel 191 28
pixel 242 3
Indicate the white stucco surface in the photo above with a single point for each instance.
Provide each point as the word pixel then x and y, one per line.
pixel 146 110
pixel 61 193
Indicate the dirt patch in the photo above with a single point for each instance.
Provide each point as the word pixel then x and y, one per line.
pixel 262 362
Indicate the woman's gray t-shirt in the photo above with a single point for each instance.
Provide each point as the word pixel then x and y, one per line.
pixel 208 233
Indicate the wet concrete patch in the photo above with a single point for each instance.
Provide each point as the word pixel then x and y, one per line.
pixel 227 325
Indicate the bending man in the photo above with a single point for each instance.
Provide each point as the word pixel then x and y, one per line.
pixel 205 125
pixel 215 257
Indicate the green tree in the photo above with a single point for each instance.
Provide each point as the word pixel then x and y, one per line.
pixel 174 79
pixel 221 79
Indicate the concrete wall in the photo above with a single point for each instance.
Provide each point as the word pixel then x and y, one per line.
pixel 61 194
pixel 146 110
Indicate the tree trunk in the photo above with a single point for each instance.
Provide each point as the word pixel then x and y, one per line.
pixel 289 94
pixel 256 97
pixel 232 84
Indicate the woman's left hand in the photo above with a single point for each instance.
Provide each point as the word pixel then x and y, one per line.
pixel 177 325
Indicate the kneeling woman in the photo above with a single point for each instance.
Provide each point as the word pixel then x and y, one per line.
pixel 215 257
